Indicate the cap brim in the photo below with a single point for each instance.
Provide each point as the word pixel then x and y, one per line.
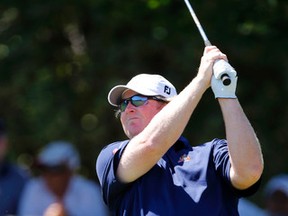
pixel 115 94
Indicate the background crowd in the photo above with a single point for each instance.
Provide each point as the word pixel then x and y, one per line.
pixel 51 188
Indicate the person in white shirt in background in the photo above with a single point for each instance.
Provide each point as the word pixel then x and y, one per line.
pixel 59 191
pixel 276 195
pixel 248 208
pixel 275 199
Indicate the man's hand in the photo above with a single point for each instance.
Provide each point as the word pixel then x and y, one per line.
pixel 55 209
pixel 210 55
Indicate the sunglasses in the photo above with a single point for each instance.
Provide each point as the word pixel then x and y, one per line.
pixel 137 101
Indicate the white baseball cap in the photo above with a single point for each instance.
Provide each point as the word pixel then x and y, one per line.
pixel 58 153
pixel 144 84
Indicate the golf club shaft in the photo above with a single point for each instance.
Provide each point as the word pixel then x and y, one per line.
pixel 203 35
pixel 218 74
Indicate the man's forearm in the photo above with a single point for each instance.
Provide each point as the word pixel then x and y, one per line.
pixel 244 148
pixel 160 134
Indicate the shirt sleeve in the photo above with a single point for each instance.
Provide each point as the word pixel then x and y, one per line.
pixel 223 165
pixel 106 166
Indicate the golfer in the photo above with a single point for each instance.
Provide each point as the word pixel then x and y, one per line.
pixel 157 171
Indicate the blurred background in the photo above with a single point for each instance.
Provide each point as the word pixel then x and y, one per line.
pixel 59 59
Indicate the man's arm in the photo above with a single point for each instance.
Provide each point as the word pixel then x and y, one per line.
pixel 244 148
pixel 145 149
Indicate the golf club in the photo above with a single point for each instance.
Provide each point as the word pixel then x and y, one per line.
pixel 221 68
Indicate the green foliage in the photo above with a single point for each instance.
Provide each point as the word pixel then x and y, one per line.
pixel 59 59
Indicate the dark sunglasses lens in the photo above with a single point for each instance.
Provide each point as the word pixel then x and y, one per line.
pixel 138 100
pixel 123 105
pixel 135 101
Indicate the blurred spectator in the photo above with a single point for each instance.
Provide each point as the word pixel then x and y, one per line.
pixel 12 178
pixel 59 191
pixel 248 208
pixel 276 196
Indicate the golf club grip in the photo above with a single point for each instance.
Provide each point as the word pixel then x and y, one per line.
pixel 225 79
pixel 223 71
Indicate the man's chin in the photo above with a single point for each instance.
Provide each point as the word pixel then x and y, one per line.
pixel 130 134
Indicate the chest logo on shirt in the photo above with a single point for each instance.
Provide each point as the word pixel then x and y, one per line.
pixel 184 158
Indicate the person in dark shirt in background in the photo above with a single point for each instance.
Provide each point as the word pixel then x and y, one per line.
pixel 12 177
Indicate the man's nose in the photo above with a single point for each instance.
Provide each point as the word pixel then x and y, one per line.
pixel 130 106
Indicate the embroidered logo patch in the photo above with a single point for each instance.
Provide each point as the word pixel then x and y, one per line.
pixel 167 90
pixel 184 158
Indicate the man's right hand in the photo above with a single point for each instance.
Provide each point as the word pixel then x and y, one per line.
pixel 55 209
pixel 205 72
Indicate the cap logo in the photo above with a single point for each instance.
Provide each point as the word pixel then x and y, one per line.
pixel 167 90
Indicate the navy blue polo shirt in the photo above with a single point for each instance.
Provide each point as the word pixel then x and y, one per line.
pixel 185 181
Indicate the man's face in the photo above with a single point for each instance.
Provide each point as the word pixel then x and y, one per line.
pixel 57 180
pixel 3 146
pixel 277 203
pixel 135 119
